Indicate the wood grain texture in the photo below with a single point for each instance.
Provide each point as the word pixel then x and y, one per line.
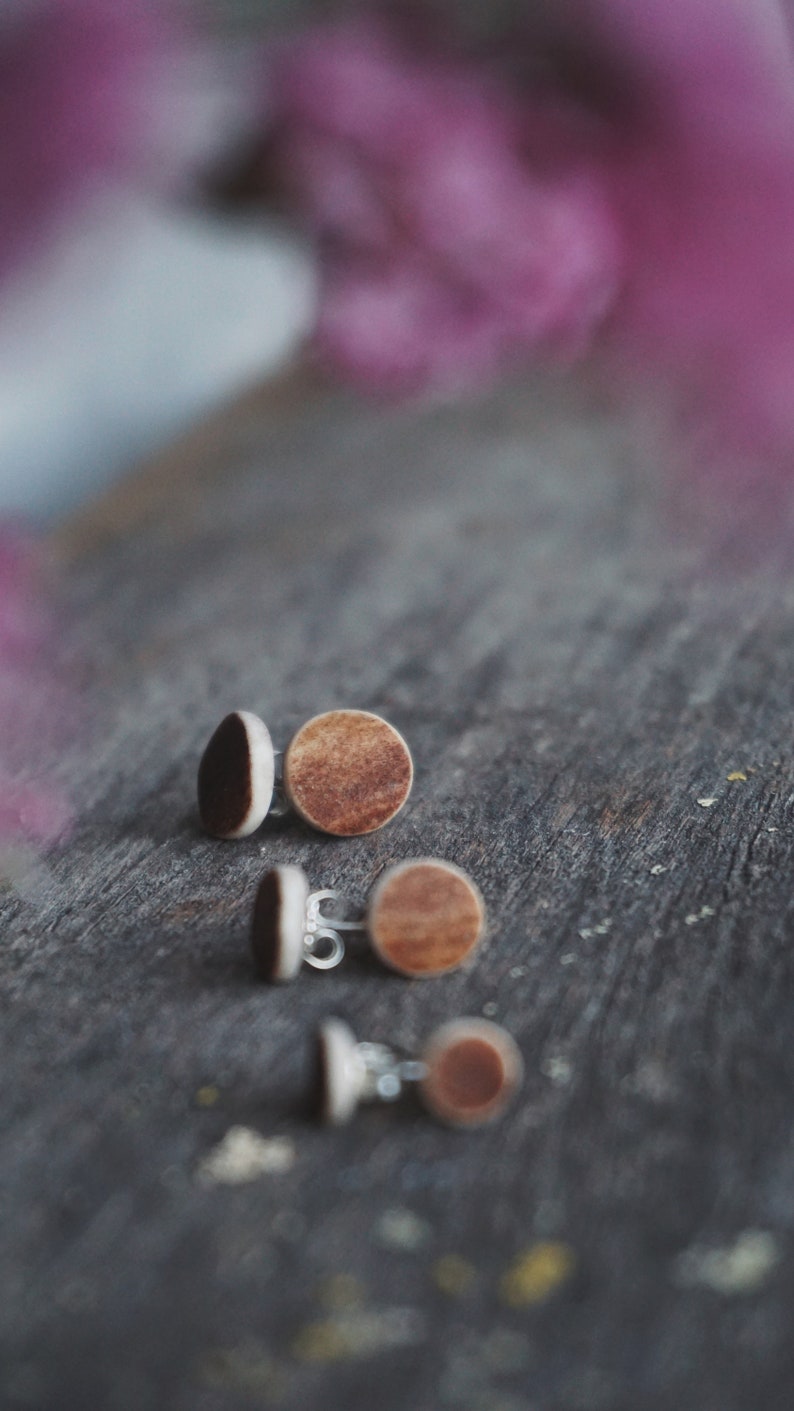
pixel 424 917
pixel 579 663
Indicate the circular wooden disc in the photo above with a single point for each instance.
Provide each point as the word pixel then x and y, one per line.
pixel 473 1070
pixel 279 923
pixel 337 1073
pixel 236 777
pixel 425 917
pixel 347 772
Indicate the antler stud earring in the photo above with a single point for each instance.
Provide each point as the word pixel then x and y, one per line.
pixel 345 772
pixel 424 917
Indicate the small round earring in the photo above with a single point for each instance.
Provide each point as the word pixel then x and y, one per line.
pixel 424 917
pixel 467 1073
pixel 345 772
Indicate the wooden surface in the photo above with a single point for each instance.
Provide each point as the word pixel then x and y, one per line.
pixel 579 662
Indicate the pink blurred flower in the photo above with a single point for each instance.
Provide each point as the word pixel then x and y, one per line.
pixel 32 813
pixel 462 225
pixel 702 182
pixel 74 90
pixel 446 250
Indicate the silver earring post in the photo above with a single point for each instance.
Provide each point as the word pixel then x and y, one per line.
pixel 385 1073
pixel 323 943
pixel 279 805
pixel 351 1072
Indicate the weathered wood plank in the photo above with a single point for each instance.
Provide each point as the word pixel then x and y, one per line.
pixel 509 583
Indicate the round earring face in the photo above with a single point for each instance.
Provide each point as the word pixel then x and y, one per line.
pixel 425 917
pixel 347 772
pixel 474 1068
pixel 236 777
pixel 338 1074
pixel 279 923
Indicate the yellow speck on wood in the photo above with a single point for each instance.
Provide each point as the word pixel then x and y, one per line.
pixel 537 1273
pixel 702 915
pixel 321 1342
pixel 341 1291
pixel 736 776
pixel 399 1228
pixel 558 1069
pixel 208 1096
pixel 248 1369
pixel 358 1332
pixel 453 1275
pixel 738 1268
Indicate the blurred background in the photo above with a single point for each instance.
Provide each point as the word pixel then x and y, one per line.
pixel 418 196
pixel 130 303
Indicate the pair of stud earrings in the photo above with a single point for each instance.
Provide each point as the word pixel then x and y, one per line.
pixel 349 772
pixel 466 1073
pixel 345 772
pixel 424 917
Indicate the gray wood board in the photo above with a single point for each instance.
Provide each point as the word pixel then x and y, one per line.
pixel 577 655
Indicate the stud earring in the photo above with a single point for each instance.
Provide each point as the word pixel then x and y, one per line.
pixel 345 772
pixel 423 917
pixel 467 1073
